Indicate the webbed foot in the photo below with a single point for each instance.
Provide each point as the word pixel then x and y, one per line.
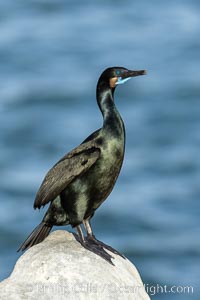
pixel 91 246
pixel 92 240
pixel 97 249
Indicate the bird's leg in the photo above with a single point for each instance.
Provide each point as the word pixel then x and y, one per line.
pixel 88 228
pixel 92 239
pixel 80 234
pixel 92 247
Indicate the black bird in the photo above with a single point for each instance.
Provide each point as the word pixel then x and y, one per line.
pixel 80 181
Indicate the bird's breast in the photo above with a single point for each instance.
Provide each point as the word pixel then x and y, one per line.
pixel 106 170
pixel 112 154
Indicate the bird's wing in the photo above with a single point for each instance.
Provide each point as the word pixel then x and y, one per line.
pixel 75 163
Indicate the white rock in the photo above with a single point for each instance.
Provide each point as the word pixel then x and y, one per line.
pixel 60 268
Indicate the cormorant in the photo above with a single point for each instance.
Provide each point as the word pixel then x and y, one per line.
pixel 80 181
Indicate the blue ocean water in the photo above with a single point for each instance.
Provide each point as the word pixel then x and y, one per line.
pixel 51 55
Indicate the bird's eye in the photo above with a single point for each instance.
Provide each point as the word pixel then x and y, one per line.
pixel 118 72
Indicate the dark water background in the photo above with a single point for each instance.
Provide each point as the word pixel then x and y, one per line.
pixel 51 54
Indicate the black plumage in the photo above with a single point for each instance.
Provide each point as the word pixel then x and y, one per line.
pixel 79 182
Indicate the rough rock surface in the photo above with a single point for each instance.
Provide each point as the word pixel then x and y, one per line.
pixel 60 268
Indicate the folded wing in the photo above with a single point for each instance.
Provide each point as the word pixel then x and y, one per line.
pixel 75 163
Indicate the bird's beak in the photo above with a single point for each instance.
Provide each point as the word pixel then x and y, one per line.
pixel 130 73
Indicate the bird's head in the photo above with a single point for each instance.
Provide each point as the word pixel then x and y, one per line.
pixel 118 75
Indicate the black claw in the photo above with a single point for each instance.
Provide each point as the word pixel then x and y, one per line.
pixel 97 249
pixel 92 239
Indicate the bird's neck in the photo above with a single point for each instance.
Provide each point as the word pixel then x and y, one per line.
pixel 112 120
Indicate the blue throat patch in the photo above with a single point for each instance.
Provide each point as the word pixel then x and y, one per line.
pixel 121 81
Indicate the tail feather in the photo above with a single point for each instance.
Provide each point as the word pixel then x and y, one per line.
pixel 36 236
